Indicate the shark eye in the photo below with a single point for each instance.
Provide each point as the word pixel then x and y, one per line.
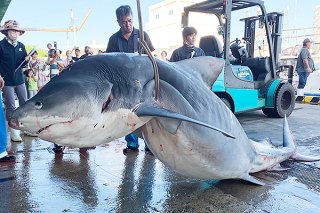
pixel 105 104
pixel 38 105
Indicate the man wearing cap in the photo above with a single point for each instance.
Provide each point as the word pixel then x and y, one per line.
pixel 305 64
pixel 12 55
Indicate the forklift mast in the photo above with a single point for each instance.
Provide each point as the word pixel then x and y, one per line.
pixel 274 21
pixel 275 24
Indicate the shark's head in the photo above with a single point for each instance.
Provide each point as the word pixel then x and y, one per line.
pixel 90 103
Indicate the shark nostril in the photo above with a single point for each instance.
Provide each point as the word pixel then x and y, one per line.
pixel 38 105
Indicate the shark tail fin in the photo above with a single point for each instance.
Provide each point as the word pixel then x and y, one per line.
pixel 288 139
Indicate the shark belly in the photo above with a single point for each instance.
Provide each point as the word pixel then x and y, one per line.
pixel 190 156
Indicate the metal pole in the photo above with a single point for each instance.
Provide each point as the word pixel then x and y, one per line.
pixel 145 47
pixel 141 34
pixel 30 53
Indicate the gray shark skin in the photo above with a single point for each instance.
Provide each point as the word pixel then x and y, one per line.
pixel 105 97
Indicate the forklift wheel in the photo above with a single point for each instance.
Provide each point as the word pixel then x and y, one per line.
pixel 284 102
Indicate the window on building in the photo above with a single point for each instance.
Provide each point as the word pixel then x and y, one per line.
pixel 157 16
pixel 170 12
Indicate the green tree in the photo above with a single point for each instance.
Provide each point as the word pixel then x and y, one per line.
pixel 41 53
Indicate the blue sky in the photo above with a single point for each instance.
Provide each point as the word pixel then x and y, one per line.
pixel 102 22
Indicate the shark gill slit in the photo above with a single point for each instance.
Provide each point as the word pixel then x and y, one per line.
pixel 105 104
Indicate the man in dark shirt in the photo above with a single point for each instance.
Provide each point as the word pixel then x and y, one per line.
pixel 87 52
pixel 12 54
pixel 77 54
pixel 305 64
pixel 188 50
pixel 126 40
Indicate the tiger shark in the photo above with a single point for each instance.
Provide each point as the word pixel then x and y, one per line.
pixel 104 97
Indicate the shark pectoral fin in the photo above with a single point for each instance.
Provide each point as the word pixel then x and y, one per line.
pixel 148 110
pixel 299 157
pixel 254 180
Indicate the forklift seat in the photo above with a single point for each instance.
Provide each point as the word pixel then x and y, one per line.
pixel 259 66
pixel 211 46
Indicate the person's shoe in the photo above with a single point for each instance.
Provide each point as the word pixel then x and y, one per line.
pixel 130 150
pixel 57 148
pixel 15 135
pixel 8 158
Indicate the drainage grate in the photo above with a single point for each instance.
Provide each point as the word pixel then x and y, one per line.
pixel 306 174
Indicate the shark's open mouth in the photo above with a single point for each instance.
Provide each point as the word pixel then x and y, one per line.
pixel 46 127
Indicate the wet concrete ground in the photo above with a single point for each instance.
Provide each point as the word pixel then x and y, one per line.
pixel 105 180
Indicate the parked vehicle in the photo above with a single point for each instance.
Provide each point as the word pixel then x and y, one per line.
pixel 248 81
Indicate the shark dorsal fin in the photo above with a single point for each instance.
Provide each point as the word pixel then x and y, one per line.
pixel 206 67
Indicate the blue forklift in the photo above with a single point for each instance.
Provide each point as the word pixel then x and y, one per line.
pixel 249 81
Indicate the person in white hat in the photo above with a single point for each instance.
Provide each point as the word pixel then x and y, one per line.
pixel 12 55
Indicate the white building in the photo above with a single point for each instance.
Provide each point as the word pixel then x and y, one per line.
pixel 316 26
pixel 165 29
